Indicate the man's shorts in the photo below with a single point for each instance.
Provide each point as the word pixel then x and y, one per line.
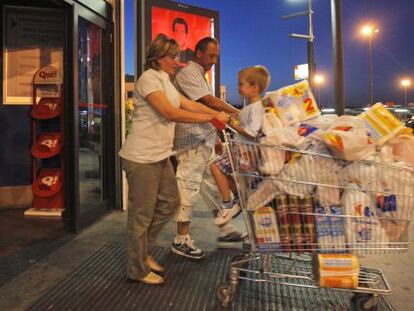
pixel 224 164
pixel 194 178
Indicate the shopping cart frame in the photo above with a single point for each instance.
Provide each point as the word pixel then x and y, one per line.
pixel 365 297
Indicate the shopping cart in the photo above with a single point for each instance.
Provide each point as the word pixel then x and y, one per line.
pixel 305 208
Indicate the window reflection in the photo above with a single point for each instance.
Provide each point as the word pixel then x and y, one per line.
pixel 90 113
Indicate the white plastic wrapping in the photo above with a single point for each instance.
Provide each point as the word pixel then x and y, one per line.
pixel 348 138
pixel 363 231
pixel 265 192
pixel 272 159
pixel 298 177
pixel 403 148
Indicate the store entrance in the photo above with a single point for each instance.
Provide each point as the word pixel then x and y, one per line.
pixel 77 41
pixel 33 37
pixel 93 113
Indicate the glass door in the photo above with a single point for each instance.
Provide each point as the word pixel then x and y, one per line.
pixel 93 112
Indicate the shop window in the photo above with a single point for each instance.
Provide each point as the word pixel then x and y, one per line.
pixel 32 38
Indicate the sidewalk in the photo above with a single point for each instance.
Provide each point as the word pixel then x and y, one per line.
pixel 28 287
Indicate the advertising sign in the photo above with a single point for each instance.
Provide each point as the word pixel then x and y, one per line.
pixel 301 72
pixel 186 28
pixel 185 23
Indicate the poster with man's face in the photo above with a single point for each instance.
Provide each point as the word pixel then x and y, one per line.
pixel 186 28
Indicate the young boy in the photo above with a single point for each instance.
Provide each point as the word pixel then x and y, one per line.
pixel 253 81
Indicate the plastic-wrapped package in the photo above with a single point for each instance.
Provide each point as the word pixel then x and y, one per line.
pixel 386 154
pixel 294 103
pixel 338 270
pixel 328 195
pixel 323 160
pixel 293 136
pixel 363 174
pixel 265 225
pixel 363 231
pixel 298 177
pixel 337 228
pixel 403 148
pixel 271 123
pixel 382 124
pixel 265 192
pixel 326 174
pixel 398 180
pixel 272 159
pixel 392 217
pixel 348 138
pixel 324 121
pixel 330 228
pixel 323 230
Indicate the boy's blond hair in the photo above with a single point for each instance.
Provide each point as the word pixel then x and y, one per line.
pixel 256 75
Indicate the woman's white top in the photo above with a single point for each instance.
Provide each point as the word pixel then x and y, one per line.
pixel 151 136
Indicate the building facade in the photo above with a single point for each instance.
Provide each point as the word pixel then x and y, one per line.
pixel 82 41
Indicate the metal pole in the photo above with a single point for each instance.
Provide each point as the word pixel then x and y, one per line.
pixel 405 95
pixel 336 17
pixel 319 97
pixel 311 65
pixel 311 57
pixel 370 79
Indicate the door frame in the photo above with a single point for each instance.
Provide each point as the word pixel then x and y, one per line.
pixel 78 220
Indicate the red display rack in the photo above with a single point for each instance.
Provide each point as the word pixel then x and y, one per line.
pixel 47 184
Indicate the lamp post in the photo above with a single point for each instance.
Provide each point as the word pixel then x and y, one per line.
pixel 309 37
pixel 319 80
pixel 368 31
pixel 405 83
pixel 338 55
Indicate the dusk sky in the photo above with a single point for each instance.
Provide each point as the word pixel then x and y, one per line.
pixel 253 32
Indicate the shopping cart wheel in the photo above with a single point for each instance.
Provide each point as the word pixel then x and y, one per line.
pixel 225 293
pixel 364 302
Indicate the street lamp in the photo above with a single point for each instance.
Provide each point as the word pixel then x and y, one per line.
pixel 405 83
pixel 309 37
pixel 368 31
pixel 319 80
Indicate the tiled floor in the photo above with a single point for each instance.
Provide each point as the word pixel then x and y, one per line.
pixel 26 240
pixel 26 288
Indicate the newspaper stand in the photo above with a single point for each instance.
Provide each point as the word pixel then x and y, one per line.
pixel 291 231
pixel 47 142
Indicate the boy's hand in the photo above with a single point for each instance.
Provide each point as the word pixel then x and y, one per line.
pixel 233 121
pixel 223 117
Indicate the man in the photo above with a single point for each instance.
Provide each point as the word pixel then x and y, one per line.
pixel 180 34
pixel 194 145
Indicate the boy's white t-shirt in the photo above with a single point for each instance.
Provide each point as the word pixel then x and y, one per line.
pixel 251 118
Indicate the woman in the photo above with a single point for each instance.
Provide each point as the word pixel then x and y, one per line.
pixel 153 195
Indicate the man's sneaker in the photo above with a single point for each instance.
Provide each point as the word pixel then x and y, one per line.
pixel 233 237
pixel 187 249
pixel 225 214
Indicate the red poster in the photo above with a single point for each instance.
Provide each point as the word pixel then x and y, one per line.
pixel 185 28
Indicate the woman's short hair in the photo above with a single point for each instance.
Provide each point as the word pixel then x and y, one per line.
pixel 256 75
pixel 160 47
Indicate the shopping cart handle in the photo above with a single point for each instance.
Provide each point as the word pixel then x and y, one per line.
pixel 218 124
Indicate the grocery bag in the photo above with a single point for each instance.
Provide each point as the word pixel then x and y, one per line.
pixel 348 138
